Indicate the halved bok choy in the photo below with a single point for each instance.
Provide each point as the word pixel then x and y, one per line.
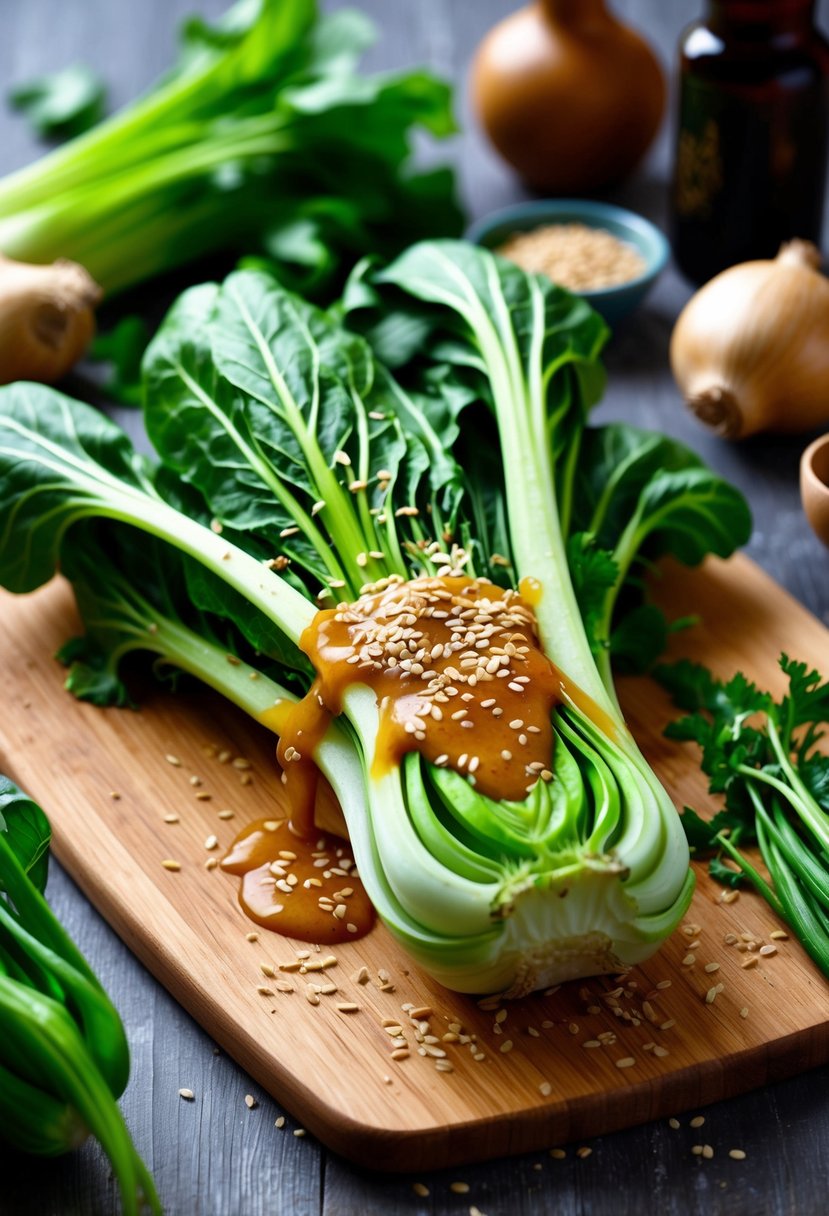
pixel 296 470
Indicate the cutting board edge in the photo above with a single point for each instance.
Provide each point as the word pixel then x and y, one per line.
pixel 466 1142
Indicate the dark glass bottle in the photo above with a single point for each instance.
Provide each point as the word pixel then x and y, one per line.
pixel 750 158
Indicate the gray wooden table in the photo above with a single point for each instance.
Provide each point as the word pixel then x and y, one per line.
pixel 215 1157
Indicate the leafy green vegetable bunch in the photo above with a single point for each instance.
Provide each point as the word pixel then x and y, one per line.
pixel 294 468
pixel 63 1054
pixel 763 756
pixel 263 138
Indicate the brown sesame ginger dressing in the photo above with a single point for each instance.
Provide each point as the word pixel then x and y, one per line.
pixel 458 675
pixel 304 888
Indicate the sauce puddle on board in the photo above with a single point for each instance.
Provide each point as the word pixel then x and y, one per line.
pixel 302 887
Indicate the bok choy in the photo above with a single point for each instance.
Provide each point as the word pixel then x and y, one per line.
pixel 63 1055
pixel 297 469
pixel 263 138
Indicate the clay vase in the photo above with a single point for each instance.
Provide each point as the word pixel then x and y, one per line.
pixel 569 96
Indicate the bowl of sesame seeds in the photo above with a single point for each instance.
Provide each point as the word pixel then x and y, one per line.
pixel 608 255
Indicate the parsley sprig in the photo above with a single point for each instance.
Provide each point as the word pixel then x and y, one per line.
pixel 763 756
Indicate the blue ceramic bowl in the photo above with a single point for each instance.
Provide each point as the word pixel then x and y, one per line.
pixel 613 303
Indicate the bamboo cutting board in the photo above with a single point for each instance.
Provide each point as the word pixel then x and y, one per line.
pixel 102 778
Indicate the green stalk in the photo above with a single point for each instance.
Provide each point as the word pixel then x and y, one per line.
pixel 32 1121
pixel 802 806
pixel 264 471
pixel 538 551
pixel 144 628
pixel 41 1040
pixel 99 1022
pixel 751 873
pixel 346 536
pixel 797 909
pixel 120 141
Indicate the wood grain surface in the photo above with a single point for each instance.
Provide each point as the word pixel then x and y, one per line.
pixel 108 778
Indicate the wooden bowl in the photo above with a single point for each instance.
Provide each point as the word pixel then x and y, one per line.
pixel 814 486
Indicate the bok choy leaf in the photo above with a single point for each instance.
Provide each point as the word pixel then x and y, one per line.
pixel 298 469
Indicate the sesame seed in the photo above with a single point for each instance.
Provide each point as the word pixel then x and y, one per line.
pixel 174 760
pixel 171 865
pixel 459 1188
pixel 626 1062
pixel 736 1154
pixel 421 1190
pixel 697 1121
pixel 674 1123
pixel 545 1089
pixel 250 1101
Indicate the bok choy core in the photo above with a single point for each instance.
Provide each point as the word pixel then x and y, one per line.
pixel 295 469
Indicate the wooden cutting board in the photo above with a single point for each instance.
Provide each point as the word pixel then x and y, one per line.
pixel 528 1081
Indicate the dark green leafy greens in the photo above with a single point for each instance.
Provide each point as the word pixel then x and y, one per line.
pixel 624 496
pixel 296 466
pixel 63 1054
pixel 63 104
pixel 763 755
pixel 264 137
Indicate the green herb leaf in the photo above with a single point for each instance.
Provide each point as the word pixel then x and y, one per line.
pixel 27 832
pixel 63 104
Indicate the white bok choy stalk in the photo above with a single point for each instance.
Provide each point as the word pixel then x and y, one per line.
pixel 281 435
